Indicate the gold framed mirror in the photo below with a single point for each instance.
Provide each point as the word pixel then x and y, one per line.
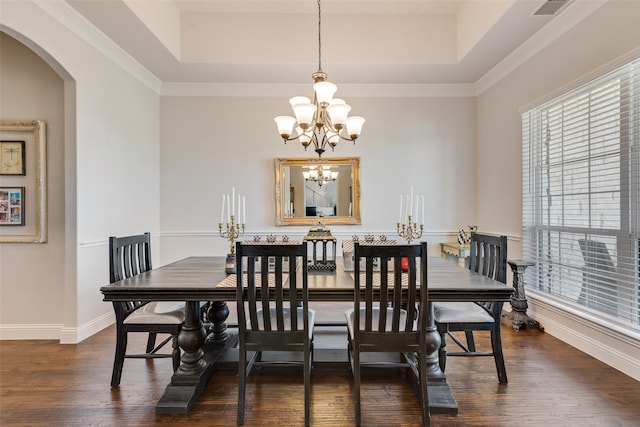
pixel 313 190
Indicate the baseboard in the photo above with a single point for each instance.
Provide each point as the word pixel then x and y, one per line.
pixel 76 335
pixel 56 331
pixel 30 332
pixel 607 345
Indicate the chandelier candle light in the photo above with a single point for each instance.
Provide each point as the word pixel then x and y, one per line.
pixel 407 225
pixel 234 226
pixel 325 120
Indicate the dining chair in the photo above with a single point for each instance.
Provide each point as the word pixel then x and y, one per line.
pixel 130 256
pixel 392 314
pixel 599 285
pixel 488 256
pixel 272 298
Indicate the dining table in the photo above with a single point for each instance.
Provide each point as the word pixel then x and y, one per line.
pixel 205 288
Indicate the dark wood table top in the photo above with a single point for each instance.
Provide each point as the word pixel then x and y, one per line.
pixel 199 279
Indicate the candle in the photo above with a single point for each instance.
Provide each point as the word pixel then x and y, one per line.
pixel 244 210
pixel 239 206
pixel 422 200
pixel 411 201
pixel 415 212
pixel 400 212
pixel 349 208
pixel 222 211
pixel 233 201
pixel 406 206
pixel 228 209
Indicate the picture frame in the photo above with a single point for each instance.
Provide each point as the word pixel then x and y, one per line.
pixel 11 206
pixel 12 158
pixel 30 225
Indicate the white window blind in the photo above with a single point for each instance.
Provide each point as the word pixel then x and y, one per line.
pixel 581 195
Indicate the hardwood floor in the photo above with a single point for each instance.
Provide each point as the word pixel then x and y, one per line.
pixel 550 384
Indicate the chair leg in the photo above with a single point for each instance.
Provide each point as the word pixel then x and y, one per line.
pixel 118 361
pixel 242 380
pixel 356 385
pixel 496 345
pixel 424 393
pixel 307 385
pixel 175 354
pixel 471 344
pixel 151 342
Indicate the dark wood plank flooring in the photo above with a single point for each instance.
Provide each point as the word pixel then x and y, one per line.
pixel 550 384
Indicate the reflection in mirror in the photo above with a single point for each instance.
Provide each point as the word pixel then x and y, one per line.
pixel 313 190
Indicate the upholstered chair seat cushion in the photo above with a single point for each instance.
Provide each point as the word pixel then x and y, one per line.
pixel 171 312
pixel 287 319
pixel 375 319
pixel 460 312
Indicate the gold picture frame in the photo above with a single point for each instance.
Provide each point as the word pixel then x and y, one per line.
pixel 32 177
pixel 291 206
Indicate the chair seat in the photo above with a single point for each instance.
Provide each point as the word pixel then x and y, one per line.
pixel 164 312
pixel 375 319
pixel 287 319
pixel 460 312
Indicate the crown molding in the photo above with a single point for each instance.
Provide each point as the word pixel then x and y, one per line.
pixel 346 90
pixel 65 14
pixel 573 14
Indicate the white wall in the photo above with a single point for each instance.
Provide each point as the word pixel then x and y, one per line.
pixel 608 34
pixel 32 275
pixel 111 172
pixel 210 144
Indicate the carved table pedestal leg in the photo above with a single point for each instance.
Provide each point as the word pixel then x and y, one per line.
pixel 218 313
pixel 518 316
pixel 190 378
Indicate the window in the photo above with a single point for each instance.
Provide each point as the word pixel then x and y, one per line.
pixel 581 195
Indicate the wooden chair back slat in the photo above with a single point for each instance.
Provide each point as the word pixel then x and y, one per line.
pixel 389 293
pixel 266 292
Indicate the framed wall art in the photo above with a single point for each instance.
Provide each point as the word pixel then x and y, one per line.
pixel 12 158
pixel 23 181
pixel 11 206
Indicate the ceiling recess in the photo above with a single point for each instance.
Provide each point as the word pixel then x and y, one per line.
pixel 551 7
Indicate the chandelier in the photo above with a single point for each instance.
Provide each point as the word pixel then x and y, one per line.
pixel 323 122
pixel 320 174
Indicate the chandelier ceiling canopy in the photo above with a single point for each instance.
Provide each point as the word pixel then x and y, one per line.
pixel 325 120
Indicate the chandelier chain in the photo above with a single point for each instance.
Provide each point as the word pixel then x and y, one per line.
pixel 319 38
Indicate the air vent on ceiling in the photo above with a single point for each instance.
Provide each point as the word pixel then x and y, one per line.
pixel 551 7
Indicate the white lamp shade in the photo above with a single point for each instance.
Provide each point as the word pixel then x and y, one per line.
pixel 299 100
pixel 302 136
pixel 333 138
pixel 338 114
pixel 306 175
pixel 324 92
pixel 354 125
pixel 285 125
pixel 334 175
pixel 304 114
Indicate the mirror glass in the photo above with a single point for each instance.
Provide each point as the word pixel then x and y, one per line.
pixel 312 190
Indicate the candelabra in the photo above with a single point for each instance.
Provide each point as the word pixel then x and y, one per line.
pixel 231 230
pixel 409 229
